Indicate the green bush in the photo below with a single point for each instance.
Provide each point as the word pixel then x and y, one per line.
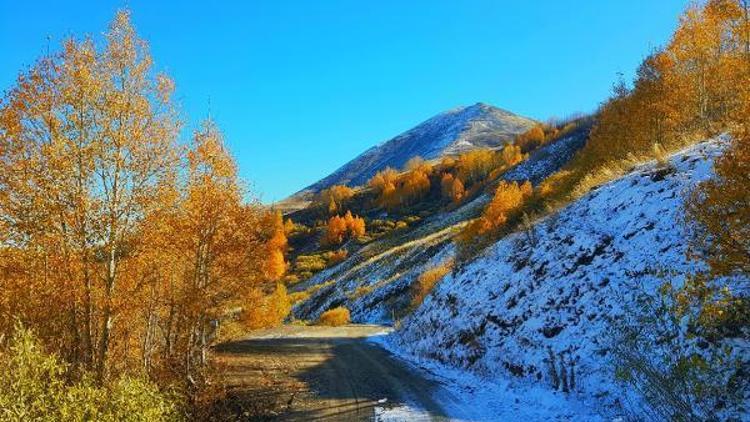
pixel 34 388
pixel 661 352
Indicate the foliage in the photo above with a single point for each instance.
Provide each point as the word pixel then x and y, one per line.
pixel 307 265
pixel 34 388
pixel 276 245
pixel 340 228
pixel 427 281
pixel 336 257
pixel 395 190
pixel 719 209
pixel 122 249
pixel 452 188
pixel 693 88
pixel 474 166
pixel 384 185
pixel 661 353
pixel 335 198
pixel 335 317
pixel 531 139
pixel 508 199
pixel 269 310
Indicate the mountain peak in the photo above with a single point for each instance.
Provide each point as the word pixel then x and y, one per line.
pixel 457 130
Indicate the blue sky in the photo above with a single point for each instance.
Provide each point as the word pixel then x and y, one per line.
pixel 301 87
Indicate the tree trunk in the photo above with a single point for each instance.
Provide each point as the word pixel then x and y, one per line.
pixel 107 319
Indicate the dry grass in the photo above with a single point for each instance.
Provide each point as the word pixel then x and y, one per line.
pixel 335 317
pixel 298 297
pixel 362 291
pixel 427 281
pixel 662 159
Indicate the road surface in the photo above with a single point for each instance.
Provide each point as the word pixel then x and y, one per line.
pixel 324 374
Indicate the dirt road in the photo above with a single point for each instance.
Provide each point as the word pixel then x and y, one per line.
pixel 324 373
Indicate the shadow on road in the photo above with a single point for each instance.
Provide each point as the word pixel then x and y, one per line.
pixel 322 378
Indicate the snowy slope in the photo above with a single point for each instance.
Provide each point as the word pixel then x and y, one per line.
pixel 451 132
pixel 497 316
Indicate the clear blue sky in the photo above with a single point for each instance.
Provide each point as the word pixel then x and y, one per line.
pixel 301 87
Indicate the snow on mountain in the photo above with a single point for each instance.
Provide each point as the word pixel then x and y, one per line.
pixel 451 132
pixel 556 287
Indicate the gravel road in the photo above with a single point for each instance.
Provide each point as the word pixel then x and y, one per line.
pixel 324 373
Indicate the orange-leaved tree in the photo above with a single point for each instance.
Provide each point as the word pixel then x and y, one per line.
pixel 416 181
pixel 452 188
pixel 334 199
pixel 384 184
pixel 339 228
pixel 89 138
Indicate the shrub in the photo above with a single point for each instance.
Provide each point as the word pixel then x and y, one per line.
pixel 531 139
pixel 665 352
pixel 427 281
pixel 361 291
pixel 335 317
pixel 34 388
pixel 310 263
pixel 298 297
pixel 336 257
pixel 339 228
pixel 270 310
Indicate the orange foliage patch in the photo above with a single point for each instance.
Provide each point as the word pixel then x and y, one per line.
pixel 340 228
pixel 427 281
pixel 335 317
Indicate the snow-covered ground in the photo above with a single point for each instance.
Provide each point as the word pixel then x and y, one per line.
pixel 557 287
pixel 469 397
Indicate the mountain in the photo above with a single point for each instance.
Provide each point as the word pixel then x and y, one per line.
pixel 451 132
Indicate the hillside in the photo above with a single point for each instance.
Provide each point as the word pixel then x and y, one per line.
pixel 497 316
pixel 395 261
pixel 451 132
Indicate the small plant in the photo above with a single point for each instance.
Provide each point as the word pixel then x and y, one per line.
pixel 562 376
pixel 35 388
pixel 361 291
pixel 336 257
pixel 335 317
pixel 427 281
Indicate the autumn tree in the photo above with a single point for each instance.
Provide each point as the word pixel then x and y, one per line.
pixel 531 139
pixel 508 198
pixel 721 208
pixel 452 188
pixel 341 227
pixel 221 250
pixel 383 183
pixel 123 254
pixel 276 244
pixel 415 183
pixel 335 198
pixel 90 137
pixel 474 166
